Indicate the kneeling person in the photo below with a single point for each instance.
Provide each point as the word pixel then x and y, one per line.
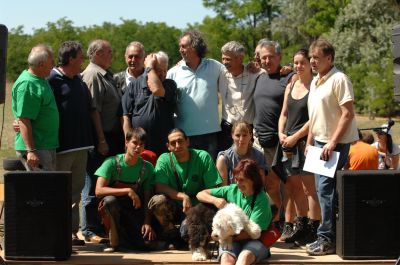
pixel 179 176
pixel 125 184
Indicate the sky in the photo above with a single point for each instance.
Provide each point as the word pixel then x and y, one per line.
pixel 35 14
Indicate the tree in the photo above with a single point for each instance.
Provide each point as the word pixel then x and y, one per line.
pixel 361 36
pixel 248 20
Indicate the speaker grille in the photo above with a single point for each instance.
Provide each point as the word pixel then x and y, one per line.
pixel 369 214
pixel 37 215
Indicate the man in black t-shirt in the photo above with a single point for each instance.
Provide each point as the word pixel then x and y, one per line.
pixel 268 99
pixel 149 102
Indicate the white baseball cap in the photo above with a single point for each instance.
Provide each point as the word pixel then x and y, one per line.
pixel 385 129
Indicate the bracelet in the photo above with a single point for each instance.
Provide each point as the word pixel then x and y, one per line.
pixel 148 69
pixel 31 150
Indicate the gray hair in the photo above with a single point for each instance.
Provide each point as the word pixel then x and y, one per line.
pixel 94 46
pixel 136 44
pixel 233 47
pixel 269 43
pixel 162 56
pixel 39 54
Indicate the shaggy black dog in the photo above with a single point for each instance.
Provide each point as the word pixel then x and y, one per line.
pixel 199 220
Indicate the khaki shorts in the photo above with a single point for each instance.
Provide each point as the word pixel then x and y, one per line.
pixel 269 152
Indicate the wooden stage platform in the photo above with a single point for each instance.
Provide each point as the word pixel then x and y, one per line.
pixel 281 254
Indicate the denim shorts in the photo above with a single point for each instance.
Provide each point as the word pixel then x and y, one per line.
pixel 254 246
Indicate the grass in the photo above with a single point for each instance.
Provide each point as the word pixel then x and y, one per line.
pixel 7 139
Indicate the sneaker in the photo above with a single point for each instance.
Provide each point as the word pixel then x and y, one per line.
pixel 287 231
pixel 313 244
pixel 323 247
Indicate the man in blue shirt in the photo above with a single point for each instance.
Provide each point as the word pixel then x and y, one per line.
pixel 197 103
pixel 149 103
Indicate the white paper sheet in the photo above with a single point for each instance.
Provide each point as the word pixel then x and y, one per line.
pixel 315 165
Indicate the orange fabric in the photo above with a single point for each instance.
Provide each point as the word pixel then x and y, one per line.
pixel 363 156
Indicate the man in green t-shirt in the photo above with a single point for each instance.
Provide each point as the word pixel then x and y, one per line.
pixel 125 184
pixel 35 109
pixel 179 176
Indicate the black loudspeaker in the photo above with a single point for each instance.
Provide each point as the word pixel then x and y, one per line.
pixel 3 60
pixel 368 224
pixel 396 61
pixel 37 219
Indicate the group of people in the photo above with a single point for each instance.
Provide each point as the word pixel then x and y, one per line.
pixel 147 144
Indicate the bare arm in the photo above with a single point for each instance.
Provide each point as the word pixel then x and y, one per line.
pixel 126 124
pixel 25 127
pixel 283 117
pixel 222 169
pixel 345 119
pixel 154 83
pixel 205 196
pixel 102 147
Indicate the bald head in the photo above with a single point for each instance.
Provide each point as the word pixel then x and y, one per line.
pixel 40 60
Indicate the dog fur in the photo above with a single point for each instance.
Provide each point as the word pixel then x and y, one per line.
pixel 199 219
pixel 230 221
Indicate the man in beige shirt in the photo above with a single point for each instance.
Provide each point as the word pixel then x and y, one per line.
pixel 332 128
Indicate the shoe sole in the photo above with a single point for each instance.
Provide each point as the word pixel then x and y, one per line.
pixel 320 253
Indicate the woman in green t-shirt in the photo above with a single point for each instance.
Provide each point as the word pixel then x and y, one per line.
pixel 248 194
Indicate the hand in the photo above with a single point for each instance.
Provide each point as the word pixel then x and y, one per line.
pixel 148 232
pixel 187 203
pixel 135 199
pixel 219 203
pixel 306 149
pixel 282 137
pixel 289 142
pixel 327 150
pixel 16 125
pixel 150 61
pixel 103 148
pixel 286 69
pixel 253 67
pixel 32 159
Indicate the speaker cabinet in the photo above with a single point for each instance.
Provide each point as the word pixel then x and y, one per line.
pixel 37 219
pixel 368 224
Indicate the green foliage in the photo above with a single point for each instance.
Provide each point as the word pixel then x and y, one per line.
pixel 362 37
pixel 247 20
pixel 359 30
pixel 154 36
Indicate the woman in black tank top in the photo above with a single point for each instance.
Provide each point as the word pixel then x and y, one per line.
pixel 293 130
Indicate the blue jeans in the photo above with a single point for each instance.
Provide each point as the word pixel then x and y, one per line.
pixel 327 195
pixel 90 223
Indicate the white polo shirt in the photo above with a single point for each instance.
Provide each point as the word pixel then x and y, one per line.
pixel 324 101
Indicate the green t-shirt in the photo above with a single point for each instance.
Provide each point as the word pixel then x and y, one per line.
pixel 260 214
pixel 128 174
pixel 32 98
pixel 195 175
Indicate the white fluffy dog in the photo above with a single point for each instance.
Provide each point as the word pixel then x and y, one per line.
pixel 229 221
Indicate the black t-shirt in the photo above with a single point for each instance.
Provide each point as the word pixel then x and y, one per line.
pixel 154 114
pixel 268 100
